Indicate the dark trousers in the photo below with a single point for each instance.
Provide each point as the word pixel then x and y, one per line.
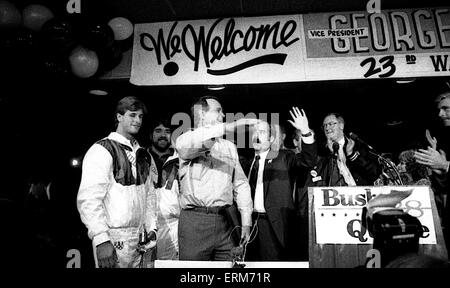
pixel 265 246
pixel 204 235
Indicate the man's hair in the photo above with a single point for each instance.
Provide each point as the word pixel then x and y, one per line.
pixel 201 101
pixel 129 103
pixel 337 115
pixel 442 96
pixel 160 121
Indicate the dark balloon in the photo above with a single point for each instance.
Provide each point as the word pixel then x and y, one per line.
pixel 96 36
pixel 56 65
pixel 10 16
pixel 25 39
pixel 110 57
pixel 60 34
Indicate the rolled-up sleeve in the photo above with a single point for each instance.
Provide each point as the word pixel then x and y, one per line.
pixel 95 182
pixel 242 194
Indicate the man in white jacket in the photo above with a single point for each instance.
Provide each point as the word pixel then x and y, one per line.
pixel 166 160
pixel 116 199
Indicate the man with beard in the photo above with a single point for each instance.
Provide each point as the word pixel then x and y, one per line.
pixel 116 198
pixel 166 160
pixel 160 148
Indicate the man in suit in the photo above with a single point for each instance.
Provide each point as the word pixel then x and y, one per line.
pixel 341 161
pixel 272 176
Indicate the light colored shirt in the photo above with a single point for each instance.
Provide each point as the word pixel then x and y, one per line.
pixel 104 204
pixel 258 205
pixel 210 172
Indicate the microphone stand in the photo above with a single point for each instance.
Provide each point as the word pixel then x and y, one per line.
pixel 386 163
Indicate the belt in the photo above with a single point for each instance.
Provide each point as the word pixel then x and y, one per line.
pixel 259 215
pixel 209 210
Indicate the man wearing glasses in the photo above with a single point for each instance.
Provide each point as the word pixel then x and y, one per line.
pixel 342 161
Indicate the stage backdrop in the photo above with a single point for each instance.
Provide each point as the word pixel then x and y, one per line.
pixel 323 46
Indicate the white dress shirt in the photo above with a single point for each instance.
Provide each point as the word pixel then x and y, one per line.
pixel 258 204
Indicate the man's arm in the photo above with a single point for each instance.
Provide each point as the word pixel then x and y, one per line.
pixel 151 209
pixel 308 156
pixel 95 182
pixel 192 144
pixel 358 158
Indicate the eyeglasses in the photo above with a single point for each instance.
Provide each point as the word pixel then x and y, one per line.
pixel 330 124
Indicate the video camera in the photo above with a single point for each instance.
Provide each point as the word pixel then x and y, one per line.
pixel 395 232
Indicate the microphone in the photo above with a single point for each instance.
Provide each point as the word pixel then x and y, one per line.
pixel 356 138
pixel 335 147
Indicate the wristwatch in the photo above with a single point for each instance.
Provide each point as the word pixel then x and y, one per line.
pixel 307 134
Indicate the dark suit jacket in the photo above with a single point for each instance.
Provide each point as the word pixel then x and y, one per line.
pixel 280 173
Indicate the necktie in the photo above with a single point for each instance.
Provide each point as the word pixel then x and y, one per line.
pixel 254 175
pixel 343 169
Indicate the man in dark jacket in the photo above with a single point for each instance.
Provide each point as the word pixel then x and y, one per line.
pixel 340 162
pixel 272 176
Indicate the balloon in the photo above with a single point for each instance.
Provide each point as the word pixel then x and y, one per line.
pixel 121 27
pixel 109 58
pixel 35 16
pixel 60 34
pixel 97 36
pixel 9 15
pixel 83 62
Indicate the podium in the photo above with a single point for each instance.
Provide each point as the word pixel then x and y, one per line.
pixel 336 236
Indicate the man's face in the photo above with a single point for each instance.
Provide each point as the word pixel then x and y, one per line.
pixel 161 137
pixel 261 138
pixel 333 129
pixel 444 111
pixel 214 114
pixel 130 122
pixel 297 144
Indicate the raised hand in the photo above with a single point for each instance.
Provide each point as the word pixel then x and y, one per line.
pixel 299 120
pixel 431 158
pixel 431 140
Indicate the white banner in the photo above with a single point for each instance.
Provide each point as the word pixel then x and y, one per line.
pixel 324 46
pixel 337 212
pixel 220 51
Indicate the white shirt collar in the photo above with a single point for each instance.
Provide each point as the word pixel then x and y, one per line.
pixel 263 155
pixel 121 139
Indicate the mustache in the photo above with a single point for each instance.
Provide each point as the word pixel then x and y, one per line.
pixel 163 138
pixel 256 140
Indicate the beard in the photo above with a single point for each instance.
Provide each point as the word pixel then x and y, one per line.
pixel 160 145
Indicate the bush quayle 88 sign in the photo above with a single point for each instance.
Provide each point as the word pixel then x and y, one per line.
pixel 217 51
pixel 337 212
pixel 393 43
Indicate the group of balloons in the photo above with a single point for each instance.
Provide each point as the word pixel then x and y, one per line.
pixel 83 46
